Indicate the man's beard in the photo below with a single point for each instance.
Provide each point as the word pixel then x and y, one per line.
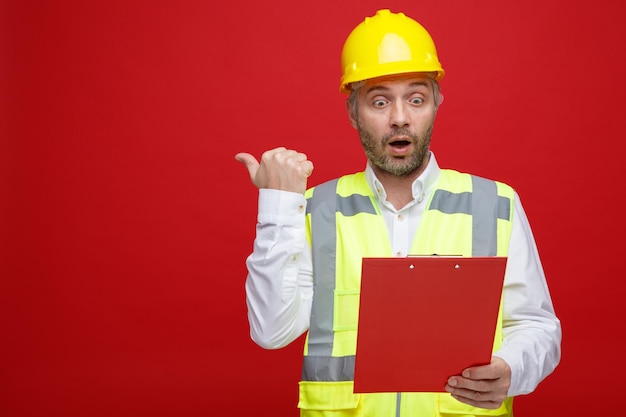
pixel 400 167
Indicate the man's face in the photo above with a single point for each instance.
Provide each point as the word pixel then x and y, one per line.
pixel 394 117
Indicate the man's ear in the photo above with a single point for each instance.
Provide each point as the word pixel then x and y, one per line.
pixel 351 116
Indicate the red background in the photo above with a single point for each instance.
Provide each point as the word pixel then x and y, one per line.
pixel 125 221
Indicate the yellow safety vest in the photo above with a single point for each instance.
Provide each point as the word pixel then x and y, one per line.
pixel 465 215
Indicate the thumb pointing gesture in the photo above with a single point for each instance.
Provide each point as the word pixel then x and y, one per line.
pixel 251 164
pixel 279 169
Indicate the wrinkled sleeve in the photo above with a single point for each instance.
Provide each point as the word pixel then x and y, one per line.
pixel 531 329
pixel 279 285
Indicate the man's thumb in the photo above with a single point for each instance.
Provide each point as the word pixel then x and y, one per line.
pixel 250 162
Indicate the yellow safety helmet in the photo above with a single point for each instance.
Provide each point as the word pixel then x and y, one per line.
pixel 385 44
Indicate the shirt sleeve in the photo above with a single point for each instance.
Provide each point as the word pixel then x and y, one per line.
pixel 279 285
pixel 531 330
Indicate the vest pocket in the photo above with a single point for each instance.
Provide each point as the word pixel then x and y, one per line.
pixel 346 315
pixel 329 399
pixel 449 407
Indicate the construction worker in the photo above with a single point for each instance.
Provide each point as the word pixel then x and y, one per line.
pixel 304 272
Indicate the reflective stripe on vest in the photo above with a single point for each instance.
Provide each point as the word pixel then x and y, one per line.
pixel 480 207
pixel 319 363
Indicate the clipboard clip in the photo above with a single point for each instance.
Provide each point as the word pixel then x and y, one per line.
pixel 456 266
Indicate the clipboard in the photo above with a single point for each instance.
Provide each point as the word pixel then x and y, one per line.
pixel 423 319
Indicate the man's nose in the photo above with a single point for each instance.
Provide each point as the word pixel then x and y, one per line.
pixel 399 114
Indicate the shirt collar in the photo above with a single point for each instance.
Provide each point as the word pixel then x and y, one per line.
pixel 422 185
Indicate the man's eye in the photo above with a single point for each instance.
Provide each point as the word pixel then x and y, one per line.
pixel 417 100
pixel 379 103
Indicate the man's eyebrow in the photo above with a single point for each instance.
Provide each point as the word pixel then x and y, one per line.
pixel 383 88
pixel 419 83
pixel 376 88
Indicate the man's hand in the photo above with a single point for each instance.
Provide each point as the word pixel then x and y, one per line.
pixel 279 169
pixel 482 386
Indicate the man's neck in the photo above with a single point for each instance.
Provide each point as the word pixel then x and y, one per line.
pixel 399 189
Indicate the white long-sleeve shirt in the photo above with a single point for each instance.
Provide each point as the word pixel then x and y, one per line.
pixel 279 286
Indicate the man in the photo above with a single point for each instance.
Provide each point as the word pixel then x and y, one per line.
pixel 304 272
